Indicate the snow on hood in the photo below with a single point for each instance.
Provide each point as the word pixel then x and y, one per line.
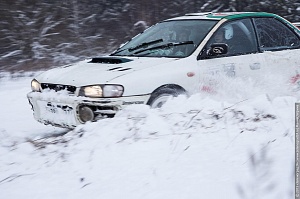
pixel 87 73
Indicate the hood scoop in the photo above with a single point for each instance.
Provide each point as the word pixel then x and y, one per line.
pixel 118 69
pixel 109 60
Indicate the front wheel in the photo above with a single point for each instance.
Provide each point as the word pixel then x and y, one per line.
pixel 159 98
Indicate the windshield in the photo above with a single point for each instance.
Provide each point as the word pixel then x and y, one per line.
pixel 168 39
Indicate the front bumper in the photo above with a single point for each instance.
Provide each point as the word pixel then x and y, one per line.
pixel 68 111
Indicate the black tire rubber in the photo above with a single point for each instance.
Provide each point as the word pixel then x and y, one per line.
pixel 159 97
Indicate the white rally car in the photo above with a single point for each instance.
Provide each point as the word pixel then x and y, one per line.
pixel 168 59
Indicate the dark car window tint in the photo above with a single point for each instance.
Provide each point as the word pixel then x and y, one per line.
pixel 239 36
pixel 274 35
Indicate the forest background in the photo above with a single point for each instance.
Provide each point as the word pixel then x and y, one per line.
pixel 41 34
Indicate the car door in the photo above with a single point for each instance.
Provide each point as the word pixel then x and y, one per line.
pixel 241 60
pixel 280 46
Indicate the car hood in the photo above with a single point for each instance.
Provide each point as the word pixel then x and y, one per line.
pixel 98 70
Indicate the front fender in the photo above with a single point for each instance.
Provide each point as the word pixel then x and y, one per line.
pixel 146 81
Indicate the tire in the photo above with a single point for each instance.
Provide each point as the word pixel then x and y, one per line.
pixel 158 98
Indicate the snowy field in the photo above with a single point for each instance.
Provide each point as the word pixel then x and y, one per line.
pixel 238 143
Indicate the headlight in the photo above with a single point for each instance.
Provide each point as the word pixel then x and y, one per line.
pixel 102 91
pixel 112 90
pixel 35 86
pixel 92 91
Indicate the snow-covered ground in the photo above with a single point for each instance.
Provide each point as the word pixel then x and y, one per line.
pixel 236 144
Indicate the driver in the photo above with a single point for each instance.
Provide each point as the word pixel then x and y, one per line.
pixel 224 35
pixel 219 37
pixel 182 36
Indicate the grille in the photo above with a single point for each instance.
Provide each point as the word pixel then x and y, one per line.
pixel 59 87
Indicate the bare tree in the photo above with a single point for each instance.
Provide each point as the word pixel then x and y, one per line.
pixel 38 34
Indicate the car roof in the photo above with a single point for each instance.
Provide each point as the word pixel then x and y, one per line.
pixel 223 15
pixel 217 16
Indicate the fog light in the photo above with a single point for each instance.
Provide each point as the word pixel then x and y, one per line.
pixel 85 114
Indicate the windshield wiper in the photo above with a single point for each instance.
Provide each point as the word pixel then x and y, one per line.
pixel 145 44
pixel 168 45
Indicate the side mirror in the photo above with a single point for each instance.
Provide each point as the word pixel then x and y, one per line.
pixel 217 49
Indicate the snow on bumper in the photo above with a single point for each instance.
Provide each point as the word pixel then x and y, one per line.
pixel 67 111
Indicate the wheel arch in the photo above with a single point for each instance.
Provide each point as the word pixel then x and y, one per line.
pixel 167 87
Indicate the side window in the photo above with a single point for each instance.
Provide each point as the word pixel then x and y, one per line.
pixel 274 35
pixel 238 35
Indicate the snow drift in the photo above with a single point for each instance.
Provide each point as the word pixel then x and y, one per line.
pixel 236 143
